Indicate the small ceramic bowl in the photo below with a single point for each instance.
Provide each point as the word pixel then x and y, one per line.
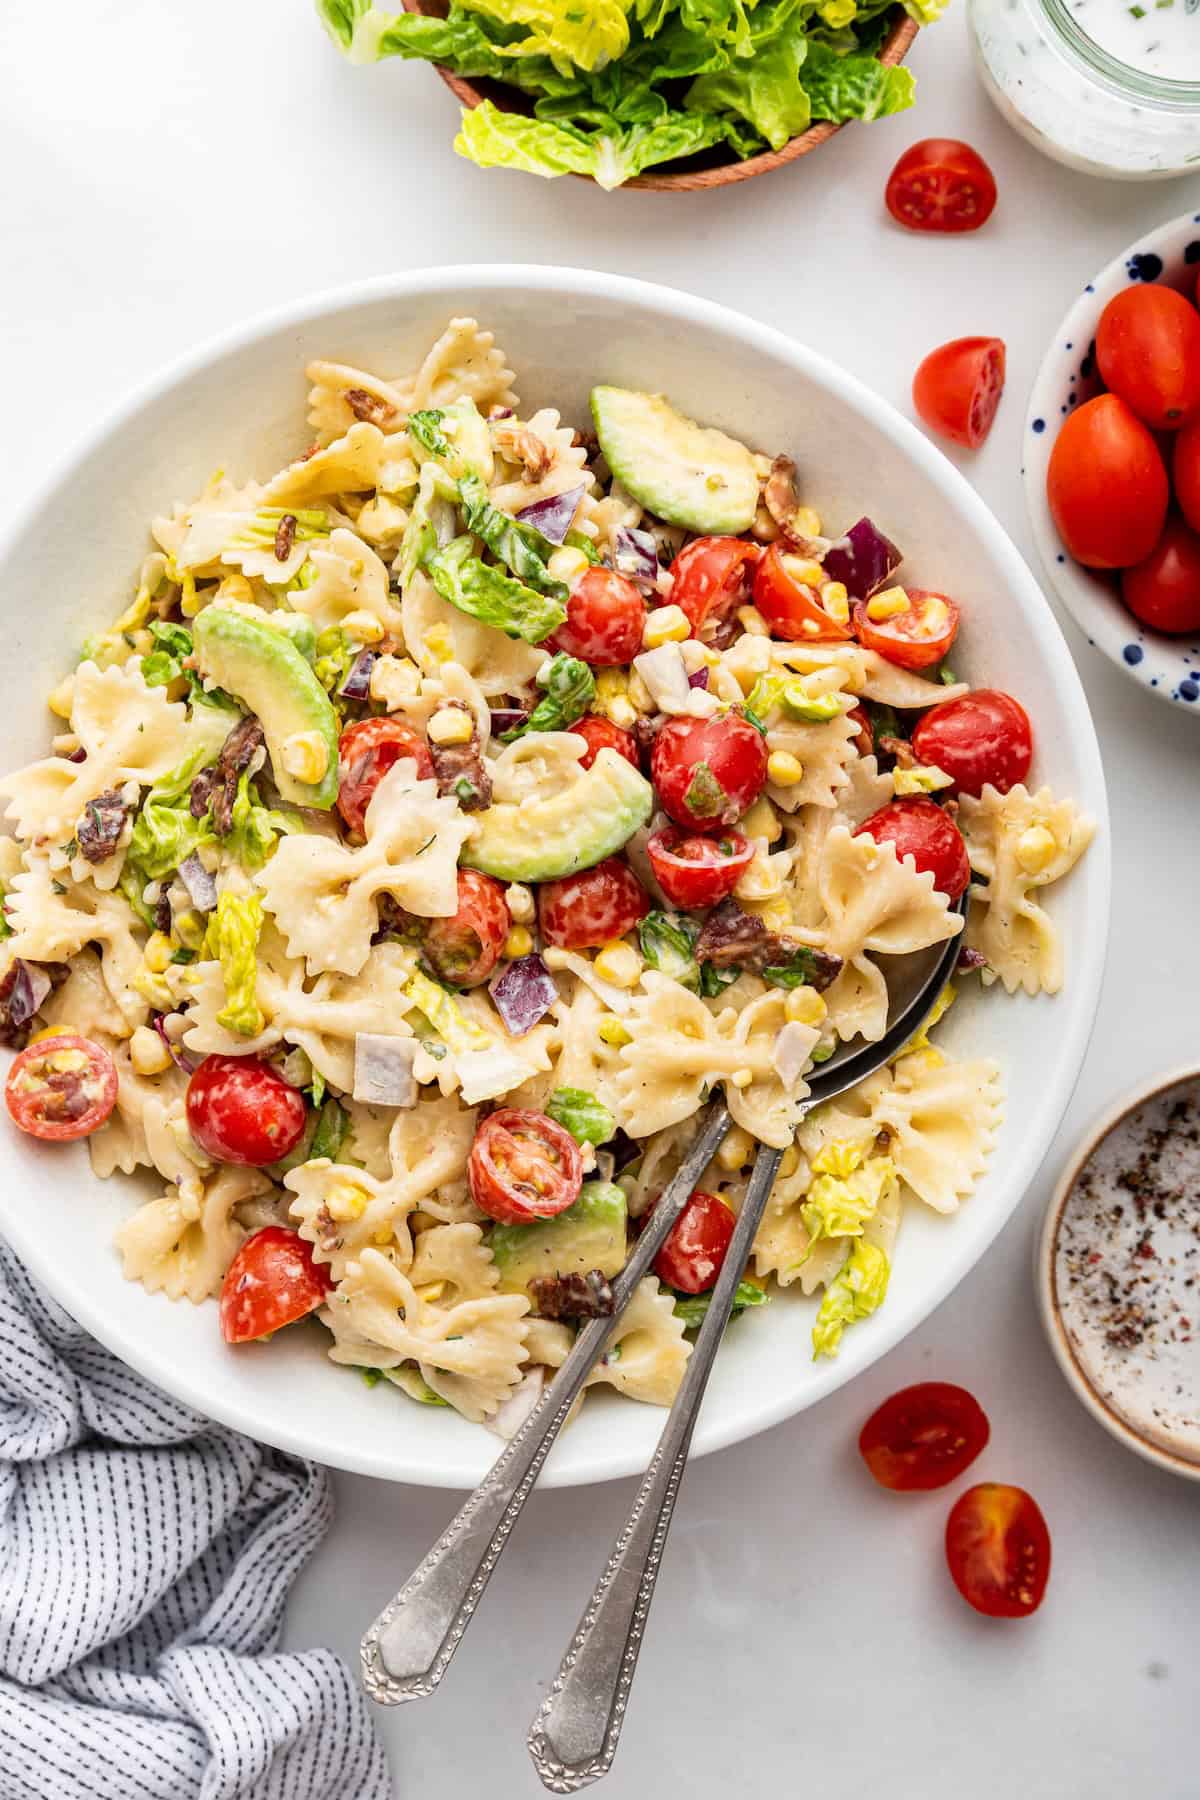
pixel 1116 1272
pixel 1168 666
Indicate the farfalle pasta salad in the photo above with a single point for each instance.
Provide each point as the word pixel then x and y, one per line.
pixel 445 818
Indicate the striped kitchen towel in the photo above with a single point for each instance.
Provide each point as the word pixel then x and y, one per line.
pixel 145 1561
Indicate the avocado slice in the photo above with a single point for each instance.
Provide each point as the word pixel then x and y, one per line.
pixel 589 1235
pixel 686 473
pixel 267 671
pixel 538 840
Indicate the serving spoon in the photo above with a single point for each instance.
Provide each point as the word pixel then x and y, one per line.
pixel 407 1650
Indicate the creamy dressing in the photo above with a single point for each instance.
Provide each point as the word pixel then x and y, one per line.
pixel 1156 37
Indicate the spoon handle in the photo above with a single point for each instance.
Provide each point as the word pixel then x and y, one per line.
pixel 408 1649
pixel 574 1736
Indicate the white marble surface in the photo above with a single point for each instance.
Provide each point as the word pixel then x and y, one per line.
pixel 166 169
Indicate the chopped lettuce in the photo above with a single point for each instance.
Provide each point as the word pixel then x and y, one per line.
pixel 762 84
pixel 856 1291
pixel 580 1113
pixel 840 1204
pixel 232 940
pixel 785 693
pixel 855 86
pixel 693 1308
pixel 164 832
pixel 446 1016
pixel 256 828
pixel 490 596
pixel 667 941
pixel 165 664
pixel 520 547
pixel 569 687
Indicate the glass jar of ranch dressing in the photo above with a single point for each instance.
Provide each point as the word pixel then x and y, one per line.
pixel 1111 87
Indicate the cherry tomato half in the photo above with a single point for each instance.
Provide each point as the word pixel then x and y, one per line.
pixel 578 912
pixel 465 948
pixel 708 771
pixel 712 576
pixel 1148 352
pixel 916 638
pixel 366 751
pixel 61 1088
pixel 523 1167
pixel 791 607
pixel 941 184
pixel 981 737
pixel 605 619
pixel 1106 485
pixel 1185 469
pixel 923 1437
pixel 271 1282
pixel 695 1248
pixel 865 738
pixel 957 389
pixel 598 734
pixel 922 829
pixel 698 871
pixel 240 1111
pixel 1164 590
pixel 998 1549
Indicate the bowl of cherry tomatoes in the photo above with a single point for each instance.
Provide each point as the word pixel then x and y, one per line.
pixel 1112 461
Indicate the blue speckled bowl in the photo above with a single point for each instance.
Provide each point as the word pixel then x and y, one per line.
pixel 1167 666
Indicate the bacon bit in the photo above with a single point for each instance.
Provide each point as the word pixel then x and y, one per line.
pixel 369 407
pixel 460 769
pixel 732 938
pixel 216 786
pixel 900 750
pixel 516 443
pixel 572 1296
pixel 783 503
pixel 99 829
pixel 285 537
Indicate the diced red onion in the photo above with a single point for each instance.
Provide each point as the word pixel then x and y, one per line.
pixel 970 958
pixel 357 685
pixel 524 993
pixel 383 1069
pixel 507 718
pixel 500 412
pixel 699 679
pixel 78 756
pixel 863 560
pixel 179 1056
pixel 200 883
pixel 635 554
pixel 25 989
pixel 555 515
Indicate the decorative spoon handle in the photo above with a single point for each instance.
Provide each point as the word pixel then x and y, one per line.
pixel 408 1649
pixel 574 1736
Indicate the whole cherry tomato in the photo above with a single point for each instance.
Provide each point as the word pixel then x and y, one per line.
pixel 61 1088
pixel 791 606
pixel 941 184
pixel 1164 590
pixel 998 1549
pixel 599 733
pixel 712 576
pixel 923 1437
pixel 922 829
pixel 1106 485
pixel 690 1259
pixel 523 1167
pixel 916 638
pixel 465 948
pixel 864 741
pixel 981 737
pixel 1148 352
pixel 240 1111
pixel 271 1282
pixel 605 619
pixel 957 389
pixel 366 751
pixel 708 771
pixel 698 871
pixel 577 912
pixel 1185 469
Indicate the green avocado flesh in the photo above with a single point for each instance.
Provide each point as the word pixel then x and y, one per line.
pixel 540 839
pixel 589 1235
pixel 685 473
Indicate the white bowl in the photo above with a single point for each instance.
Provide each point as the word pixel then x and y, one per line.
pixel 66 569
pixel 1167 666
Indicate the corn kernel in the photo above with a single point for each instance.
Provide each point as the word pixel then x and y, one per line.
pixel 784 769
pixel 622 713
pixel 789 1162
pixel 741 1078
pixel 346 1200
pixel 305 754
pixel 154 989
pixel 394 679
pixel 802 569
pixel 518 942
pixel 736 1151
pixel 235 587
pixel 439 643
pixel 363 625
pixel 451 726
pixel 61 698
pixel 611 1032
pixel 665 625
pixel 889 604
pixel 619 963
pixel 806 521
pixel 776 915
pixel 762 821
pixel 147 1052
pixel 835 598
pixel 805 1006
pixel 158 953
pixel 1036 849
pixel 751 620
pixel 519 900
pixel 639 694
pixel 432 1290
pixel 566 564
pixel 839 1158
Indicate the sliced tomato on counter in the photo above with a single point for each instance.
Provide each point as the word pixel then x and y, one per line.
pixel 941 184
pixel 271 1282
pixel 1148 352
pixel 790 605
pixel 579 912
pixel 957 389
pixel 61 1088
pixel 523 1167
pixel 464 949
pixel 240 1111
pixel 601 734
pixel 366 751
pixel 1185 471
pixel 980 738
pixel 712 576
pixel 916 638
pixel 922 829
pixel 708 771
pixel 695 1247
pixel 605 619
pixel 998 1549
pixel 1107 485
pixel 923 1437
pixel 698 871
pixel 1164 590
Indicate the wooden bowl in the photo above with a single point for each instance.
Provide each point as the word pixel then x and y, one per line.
pixel 690 173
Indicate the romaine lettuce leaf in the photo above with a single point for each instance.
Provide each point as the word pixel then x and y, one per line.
pixel 504 140
pixel 853 87
pixel 762 85
pixel 520 547
pixel 491 596
pixel 693 1308
pixel 164 832
pixel 856 1291
pixel 231 939
pixel 569 687
pixel 572 35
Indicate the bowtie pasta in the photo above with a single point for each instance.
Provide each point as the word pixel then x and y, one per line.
pixel 446 817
